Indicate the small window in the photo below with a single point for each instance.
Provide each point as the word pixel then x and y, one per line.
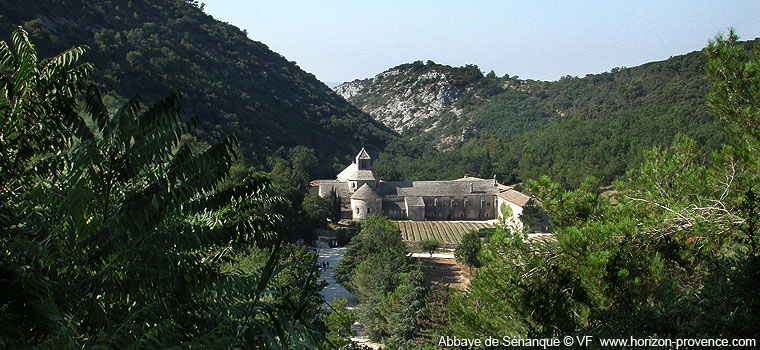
pixel 486 215
pixel 368 210
pixel 357 210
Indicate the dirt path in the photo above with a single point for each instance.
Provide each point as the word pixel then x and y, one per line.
pixel 334 289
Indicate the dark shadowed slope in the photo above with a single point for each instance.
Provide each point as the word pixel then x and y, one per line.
pixel 233 84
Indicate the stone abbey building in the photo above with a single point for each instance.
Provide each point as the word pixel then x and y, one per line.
pixel 468 198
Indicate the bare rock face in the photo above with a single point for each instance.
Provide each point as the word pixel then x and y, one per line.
pixel 351 89
pixel 413 98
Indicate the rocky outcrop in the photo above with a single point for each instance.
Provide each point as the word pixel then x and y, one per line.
pixel 352 88
pixel 414 98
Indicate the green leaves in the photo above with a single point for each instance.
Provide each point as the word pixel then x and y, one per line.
pixel 38 109
pixel 430 246
pixel 113 235
pixel 468 249
pixel 668 253
pixel 735 74
pixel 391 294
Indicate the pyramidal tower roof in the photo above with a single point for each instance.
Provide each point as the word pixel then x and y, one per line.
pixel 363 154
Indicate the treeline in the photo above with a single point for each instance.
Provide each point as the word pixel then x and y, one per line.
pixel 233 84
pixel 599 125
pixel 673 253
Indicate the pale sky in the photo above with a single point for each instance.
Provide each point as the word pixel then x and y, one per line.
pixel 345 40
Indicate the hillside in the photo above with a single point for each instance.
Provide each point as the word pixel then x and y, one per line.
pixel 598 125
pixel 419 98
pixel 233 84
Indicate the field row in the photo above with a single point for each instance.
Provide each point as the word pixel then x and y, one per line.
pixel 447 232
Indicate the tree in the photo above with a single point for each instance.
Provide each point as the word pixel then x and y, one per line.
pixel 430 246
pixel 375 267
pixel 317 210
pixel 373 279
pixel 303 162
pixel 378 235
pixel 335 207
pixel 735 93
pixel 339 322
pixel 403 310
pixel 679 242
pixel 299 275
pixel 38 104
pixel 467 250
pixel 113 233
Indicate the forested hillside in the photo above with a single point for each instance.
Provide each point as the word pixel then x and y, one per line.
pixel 597 125
pixel 233 84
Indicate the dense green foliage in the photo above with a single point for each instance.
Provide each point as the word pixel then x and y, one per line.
pixel 338 322
pixel 675 255
pixel 391 292
pixel 235 85
pixel 297 266
pixel 119 229
pixel 598 125
pixel 377 235
pixel 334 205
pixel 116 235
pixel 468 249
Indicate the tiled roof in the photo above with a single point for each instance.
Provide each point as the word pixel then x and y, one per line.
pixel 515 197
pixel 351 172
pixel 362 175
pixel 437 188
pixel 414 201
pixel 340 187
pixel 413 191
pixel 469 178
pixel 348 171
pixel 365 192
pixel 393 204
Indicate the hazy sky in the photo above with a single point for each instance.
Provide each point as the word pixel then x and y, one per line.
pixel 344 40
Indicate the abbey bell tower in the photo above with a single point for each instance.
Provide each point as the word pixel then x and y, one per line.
pixel 363 160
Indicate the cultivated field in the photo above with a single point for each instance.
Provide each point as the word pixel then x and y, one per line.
pixel 447 232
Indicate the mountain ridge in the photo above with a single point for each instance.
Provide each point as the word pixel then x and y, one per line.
pixel 598 125
pixel 232 83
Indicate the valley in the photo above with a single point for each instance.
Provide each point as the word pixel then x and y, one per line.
pixel 169 181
